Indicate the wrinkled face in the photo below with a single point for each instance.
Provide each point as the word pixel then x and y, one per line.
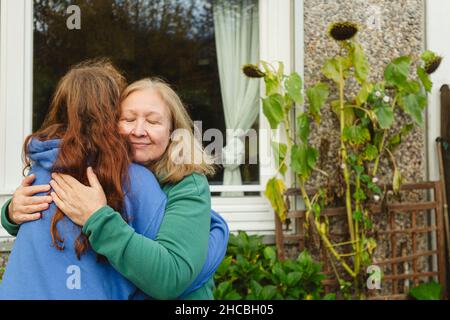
pixel 146 120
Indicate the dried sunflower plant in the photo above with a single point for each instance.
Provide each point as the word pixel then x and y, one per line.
pixel 365 120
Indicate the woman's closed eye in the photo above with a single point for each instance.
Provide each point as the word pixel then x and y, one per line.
pixel 153 121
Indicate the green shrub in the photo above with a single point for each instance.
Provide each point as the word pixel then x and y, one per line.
pixel 251 271
pixel 427 291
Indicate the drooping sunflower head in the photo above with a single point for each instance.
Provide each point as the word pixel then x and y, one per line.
pixel 252 71
pixel 341 31
pixel 431 60
pixel 432 66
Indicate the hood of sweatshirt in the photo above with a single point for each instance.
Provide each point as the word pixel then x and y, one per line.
pixel 43 153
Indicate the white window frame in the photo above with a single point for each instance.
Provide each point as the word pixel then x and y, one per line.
pixel 16 85
pixel 16 65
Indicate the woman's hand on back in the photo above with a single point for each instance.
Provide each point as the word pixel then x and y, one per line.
pixel 25 206
pixel 77 201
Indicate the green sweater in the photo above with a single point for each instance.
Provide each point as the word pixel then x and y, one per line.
pixel 162 268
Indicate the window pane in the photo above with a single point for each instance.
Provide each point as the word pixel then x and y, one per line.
pixel 173 40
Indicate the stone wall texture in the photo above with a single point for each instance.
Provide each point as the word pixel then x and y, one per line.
pixel 389 29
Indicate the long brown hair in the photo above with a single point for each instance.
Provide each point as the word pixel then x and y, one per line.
pixel 84 113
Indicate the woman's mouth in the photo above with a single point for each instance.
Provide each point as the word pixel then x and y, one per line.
pixel 140 145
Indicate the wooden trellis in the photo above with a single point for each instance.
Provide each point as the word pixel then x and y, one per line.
pixel 394 259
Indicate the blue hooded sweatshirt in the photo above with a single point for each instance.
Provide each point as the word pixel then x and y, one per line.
pixel 37 270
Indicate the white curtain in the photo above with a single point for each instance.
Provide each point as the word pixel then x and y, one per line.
pixel 236 27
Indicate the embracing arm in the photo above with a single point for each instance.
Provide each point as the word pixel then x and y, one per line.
pixel 9 226
pixel 162 268
pixel 24 206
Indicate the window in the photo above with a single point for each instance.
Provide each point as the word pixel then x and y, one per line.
pixel 197 46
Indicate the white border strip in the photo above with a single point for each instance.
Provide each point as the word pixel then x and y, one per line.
pixel 438 40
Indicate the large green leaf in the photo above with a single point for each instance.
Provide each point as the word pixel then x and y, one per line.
pixel 293 278
pixel 226 262
pixel 360 63
pixel 370 152
pixel 273 109
pixel 294 87
pixel 274 192
pixel 305 259
pixel 317 96
pixel 223 288
pixel 311 157
pixel 268 292
pixel 414 104
pixel 303 160
pixel 330 70
pixel 303 127
pixel 298 160
pixel 411 86
pixel 255 287
pixel 385 116
pixel 270 254
pixel 396 73
pixel 427 291
pixel 356 135
pixel 425 79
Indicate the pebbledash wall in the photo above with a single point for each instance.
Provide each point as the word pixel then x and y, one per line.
pixel 294 32
pixel 389 29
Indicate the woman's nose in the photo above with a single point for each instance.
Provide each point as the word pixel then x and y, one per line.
pixel 139 129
